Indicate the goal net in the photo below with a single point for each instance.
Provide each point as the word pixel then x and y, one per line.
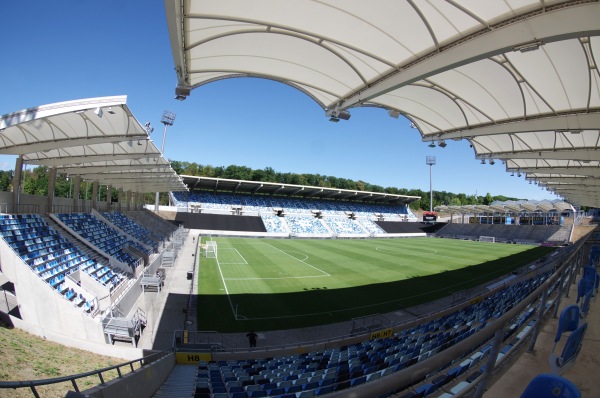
pixel 211 249
pixel 487 239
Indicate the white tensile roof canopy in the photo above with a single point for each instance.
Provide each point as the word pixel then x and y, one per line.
pixel 97 139
pixel 517 78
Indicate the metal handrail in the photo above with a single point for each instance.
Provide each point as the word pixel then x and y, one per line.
pixel 32 384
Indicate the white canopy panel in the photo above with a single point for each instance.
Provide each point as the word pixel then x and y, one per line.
pixel 96 138
pixel 510 207
pixel 517 78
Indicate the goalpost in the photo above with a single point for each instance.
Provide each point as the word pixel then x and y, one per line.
pixel 211 249
pixel 487 239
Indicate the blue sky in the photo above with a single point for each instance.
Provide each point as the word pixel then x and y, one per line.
pixel 64 50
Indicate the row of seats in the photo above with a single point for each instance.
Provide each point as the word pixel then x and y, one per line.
pixel 306 225
pixel 310 225
pixel 133 229
pixel 335 369
pixel 257 203
pixel 51 256
pixel 102 236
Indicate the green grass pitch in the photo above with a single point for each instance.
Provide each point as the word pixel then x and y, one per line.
pixel 267 284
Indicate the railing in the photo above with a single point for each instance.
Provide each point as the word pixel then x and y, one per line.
pixel 100 373
pixel 207 341
pixel 20 208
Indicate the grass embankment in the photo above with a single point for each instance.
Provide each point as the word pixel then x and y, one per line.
pixel 27 357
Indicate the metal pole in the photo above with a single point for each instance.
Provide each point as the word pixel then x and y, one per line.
pixel 162 151
pixel 430 190
pixel 167 119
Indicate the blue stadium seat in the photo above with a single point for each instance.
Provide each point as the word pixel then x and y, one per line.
pixel 551 386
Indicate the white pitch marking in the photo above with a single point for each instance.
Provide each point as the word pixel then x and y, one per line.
pixel 302 261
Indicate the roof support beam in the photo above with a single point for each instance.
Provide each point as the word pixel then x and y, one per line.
pixel 581 121
pixel 560 154
pixel 159 168
pixel 580 171
pixel 75 160
pixel 560 24
pixel 44 146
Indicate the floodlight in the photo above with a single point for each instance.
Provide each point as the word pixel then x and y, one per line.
pixel 334 119
pixel 512 174
pixel 482 161
pixel 528 46
pixel 442 144
pixel 149 128
pixel 168 118
pixel 182 92
pixel 343 115
pixel 431 144
pixel 98 111
pixel 394 113
pixel 110 110
pixel 492 162
pixel 518 174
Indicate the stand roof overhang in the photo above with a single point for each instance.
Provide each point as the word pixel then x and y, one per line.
pixel 517 79
pixel 96 138
pixel 531 206
pixel 292 190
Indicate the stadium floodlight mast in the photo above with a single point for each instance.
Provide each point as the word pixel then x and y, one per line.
pixel 168 118
pixel 430 161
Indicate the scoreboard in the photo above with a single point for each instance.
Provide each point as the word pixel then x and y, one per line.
pixel 429 216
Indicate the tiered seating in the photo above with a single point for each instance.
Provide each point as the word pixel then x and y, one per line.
pixel 50 255
pixel 132 228
pixel 344 226
pixel 261 204
pixel 370 226
pixel 102 236
pixel 306 225
pixel 273 223
pixel 336 369
pixel 519 233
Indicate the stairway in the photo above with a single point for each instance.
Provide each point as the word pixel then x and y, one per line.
pixel 181 383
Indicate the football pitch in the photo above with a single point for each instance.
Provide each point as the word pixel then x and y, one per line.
pixel 267 284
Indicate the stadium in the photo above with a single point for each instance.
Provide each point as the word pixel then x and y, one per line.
pixel 242 288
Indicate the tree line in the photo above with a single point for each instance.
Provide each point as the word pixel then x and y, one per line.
pixel 267 174
pixel 35 182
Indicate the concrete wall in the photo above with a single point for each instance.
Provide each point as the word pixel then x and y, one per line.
pixel 141 384
pixel 40 304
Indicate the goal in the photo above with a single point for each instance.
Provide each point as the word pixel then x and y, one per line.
pixel 487 239
pixel 211 249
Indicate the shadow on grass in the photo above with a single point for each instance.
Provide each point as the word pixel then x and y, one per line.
pixel 323 306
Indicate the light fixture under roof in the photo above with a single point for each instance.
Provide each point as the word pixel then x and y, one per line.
pixel 431 144
pixel 110 110
pixel 492 162
pixel 98 111
pixel 532 46
pixel 512 174
pixel 482 161
pixel 442 143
